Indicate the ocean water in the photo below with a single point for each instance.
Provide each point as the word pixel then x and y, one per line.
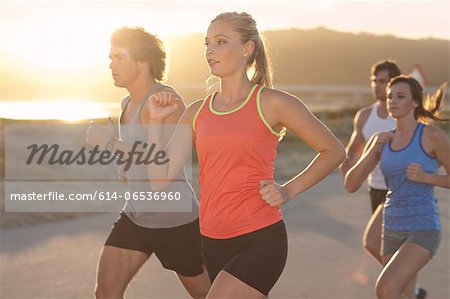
pixel 58 110
pixel 318 98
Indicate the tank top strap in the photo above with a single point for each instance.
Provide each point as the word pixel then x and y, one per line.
pixel 255 95
pixel 209 97
pixel 416 142
pixel 252 95
pixel 256 99
pixel 125 101
pixel 157 86
pixel 250 103
pixel 258 89
pixel 204 103
pixel 373 111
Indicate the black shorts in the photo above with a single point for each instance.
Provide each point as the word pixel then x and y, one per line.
pixel 257 258
pixel 377 197
pixel 178 248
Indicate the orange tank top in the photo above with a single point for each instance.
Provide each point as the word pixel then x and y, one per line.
pixel 236 150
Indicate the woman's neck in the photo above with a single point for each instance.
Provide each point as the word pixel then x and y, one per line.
pixel 234 89
pixel 406 125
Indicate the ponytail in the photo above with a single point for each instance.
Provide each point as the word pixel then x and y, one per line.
pixel 261 65
pixel 430 110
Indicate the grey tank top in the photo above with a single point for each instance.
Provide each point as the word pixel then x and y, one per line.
pixel 140 211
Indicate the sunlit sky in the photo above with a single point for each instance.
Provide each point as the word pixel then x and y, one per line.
pixel 74 35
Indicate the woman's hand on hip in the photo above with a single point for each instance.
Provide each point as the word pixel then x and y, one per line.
pixel 273 194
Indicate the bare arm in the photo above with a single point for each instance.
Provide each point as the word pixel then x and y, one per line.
pixel 367 162
pixel 440 148
pixel 355 146
pixel 282 109
pixel 179 149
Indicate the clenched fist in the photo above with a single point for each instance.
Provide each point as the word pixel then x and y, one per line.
pixel 161 105
pixel 415 172
pixel 381 139
pixel 272 193
pixel 100 135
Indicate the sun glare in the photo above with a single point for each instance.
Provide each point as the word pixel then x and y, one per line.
pixel 73 46
pixel 76 35
pixel 66 110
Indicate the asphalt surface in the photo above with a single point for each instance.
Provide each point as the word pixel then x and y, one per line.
pixel 326 260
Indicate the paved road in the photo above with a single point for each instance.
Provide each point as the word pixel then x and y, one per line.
pixel 58 259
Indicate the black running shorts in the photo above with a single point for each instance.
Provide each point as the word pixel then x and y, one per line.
pixel 178 248
pixel 257 258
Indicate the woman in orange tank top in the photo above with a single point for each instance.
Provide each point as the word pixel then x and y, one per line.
pixel 236 132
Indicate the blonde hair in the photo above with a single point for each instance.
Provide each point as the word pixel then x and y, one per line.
pixel 259 61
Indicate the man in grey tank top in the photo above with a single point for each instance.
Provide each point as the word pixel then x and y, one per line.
pixel 137 64
pixel 367 121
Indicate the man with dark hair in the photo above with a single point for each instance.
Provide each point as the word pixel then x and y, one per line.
pixel 370 120
pixel 138 61
pixel 367 121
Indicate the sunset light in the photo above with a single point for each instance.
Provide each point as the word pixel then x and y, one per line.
pixel 68 110
pixel 260 148
pixel 54 51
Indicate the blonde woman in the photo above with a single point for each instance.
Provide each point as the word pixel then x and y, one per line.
pixel 236 131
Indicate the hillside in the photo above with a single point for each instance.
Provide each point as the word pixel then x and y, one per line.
pixel 323 56
pixel 316 56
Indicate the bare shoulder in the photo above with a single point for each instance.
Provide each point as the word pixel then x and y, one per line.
pixel 273 99
pixel 281 109
pixel 275 95
pixel 434 134
pixel 435 142
pixel 365 111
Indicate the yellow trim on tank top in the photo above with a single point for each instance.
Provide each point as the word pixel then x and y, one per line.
pixel 198 112
pixel 211 108
pixel 282 132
